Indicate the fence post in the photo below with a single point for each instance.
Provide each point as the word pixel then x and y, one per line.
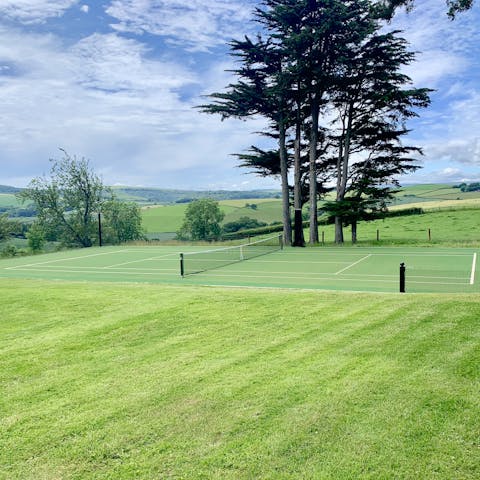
pixel 378 235
pixel 429 235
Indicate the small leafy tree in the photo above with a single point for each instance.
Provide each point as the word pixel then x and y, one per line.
pixel 122 222
pixel 67 201
pixel 36 237
pixel 202 221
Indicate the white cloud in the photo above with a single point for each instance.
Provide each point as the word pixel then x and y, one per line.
pixel 105 99
pixel 34 11
pixel 444 48
pixel 197 24
pixel 85 8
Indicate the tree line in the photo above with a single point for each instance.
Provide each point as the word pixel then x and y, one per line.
pixel 328 78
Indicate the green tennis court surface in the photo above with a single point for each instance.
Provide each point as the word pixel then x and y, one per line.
pixel 341 268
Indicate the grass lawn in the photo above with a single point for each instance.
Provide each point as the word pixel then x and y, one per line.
pixel 103 381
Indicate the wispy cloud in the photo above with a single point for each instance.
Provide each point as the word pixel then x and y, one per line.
pixel 197 25
pixel 449 131
pixel 34 11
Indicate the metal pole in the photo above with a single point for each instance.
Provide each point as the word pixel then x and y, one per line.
pixel 99 229
pixel 182 271
pixel 402 277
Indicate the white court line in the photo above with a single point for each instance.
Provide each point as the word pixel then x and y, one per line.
pixel 100 271
pixel 353 264
pixel 62 260
pixel 474 263
pixel 142 260
pixel 326 278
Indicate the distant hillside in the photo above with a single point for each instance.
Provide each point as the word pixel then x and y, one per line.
pixel 165 196
pixel 8 189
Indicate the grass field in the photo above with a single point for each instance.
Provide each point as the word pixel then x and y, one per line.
pixel 9 200
pixel 169 218
pixel 339 268
pixel 446 226
pixel 108 381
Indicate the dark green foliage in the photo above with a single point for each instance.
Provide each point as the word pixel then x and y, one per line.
pixel 243 223
pixel 472 187
pixel 386 9
pixel 8 227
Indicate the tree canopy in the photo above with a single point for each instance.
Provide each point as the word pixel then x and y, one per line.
pixel 329 80
pixel 202 221
pixel 69 200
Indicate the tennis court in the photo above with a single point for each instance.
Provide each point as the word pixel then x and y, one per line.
pixel 331 268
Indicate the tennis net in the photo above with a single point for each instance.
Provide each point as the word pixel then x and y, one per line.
pixel 197 262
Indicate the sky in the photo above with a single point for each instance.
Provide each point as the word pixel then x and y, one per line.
pixel 117 82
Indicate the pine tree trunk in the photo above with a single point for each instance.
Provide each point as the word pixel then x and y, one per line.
pixel 338 230
pixel 287 226
pixel 315 109
pixel 299 239
pixel 354 231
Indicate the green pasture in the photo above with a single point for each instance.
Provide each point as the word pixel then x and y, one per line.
pixel 169 218
pixel 432 193
pixel 163 218
pixel 9 200
pixel 124 381
pixel 331 268
pixel 242 203
pixel 454 227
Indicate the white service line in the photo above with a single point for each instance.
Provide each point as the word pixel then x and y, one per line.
pixel 474 264
pixel 353 264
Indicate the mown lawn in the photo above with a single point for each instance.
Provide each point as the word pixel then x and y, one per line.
pixel 105 381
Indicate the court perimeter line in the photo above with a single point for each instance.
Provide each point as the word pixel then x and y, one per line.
pixel 474 263
pixel 353 264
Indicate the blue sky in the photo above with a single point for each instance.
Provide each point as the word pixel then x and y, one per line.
pixel 116 81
